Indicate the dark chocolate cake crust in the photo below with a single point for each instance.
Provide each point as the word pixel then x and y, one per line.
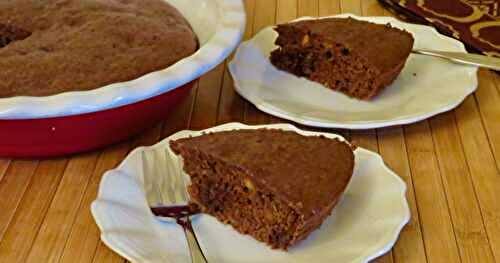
pixel 355 57
pixel 275 185
pixel 53 46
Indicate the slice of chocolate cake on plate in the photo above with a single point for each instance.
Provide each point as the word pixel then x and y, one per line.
pixel 354 57
pixel 277 186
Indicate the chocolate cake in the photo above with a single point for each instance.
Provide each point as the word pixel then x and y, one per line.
pixel 53 46
pixel 354 57
pixel 277 186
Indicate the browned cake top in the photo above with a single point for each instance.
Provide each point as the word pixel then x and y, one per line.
pixel 307 172
pixel 382 45
pixel 52 46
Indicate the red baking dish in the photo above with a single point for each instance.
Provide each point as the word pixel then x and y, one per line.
pixel 70 134
pixel 81 121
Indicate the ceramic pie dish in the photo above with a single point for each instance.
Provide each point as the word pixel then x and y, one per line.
pixel 84 120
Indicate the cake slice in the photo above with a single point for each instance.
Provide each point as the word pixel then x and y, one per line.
pixel 354 57
pixel 275 185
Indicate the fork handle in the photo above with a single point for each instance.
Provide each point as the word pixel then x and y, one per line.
pixel 197 255
pixel 464 58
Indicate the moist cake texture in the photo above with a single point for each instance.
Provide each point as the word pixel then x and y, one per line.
pixel 354 57
pixel 274 185
pixel 53 46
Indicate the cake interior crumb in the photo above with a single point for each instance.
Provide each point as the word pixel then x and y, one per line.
pixel 334 66
pixel 235 200
pixel 357 58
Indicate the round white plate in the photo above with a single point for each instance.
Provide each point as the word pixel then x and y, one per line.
pixel 426 86
pixel 364 225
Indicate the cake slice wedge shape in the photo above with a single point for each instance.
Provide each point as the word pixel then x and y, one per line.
pixel 276 186
pixel 357 58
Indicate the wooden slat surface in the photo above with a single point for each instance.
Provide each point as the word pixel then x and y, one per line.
pixel 433 211
pixel 464 210
pixel 4 164
pixel 16 242
pixel 450 164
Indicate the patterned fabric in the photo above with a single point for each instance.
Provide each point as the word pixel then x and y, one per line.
pixel 474 22
pixel 490 7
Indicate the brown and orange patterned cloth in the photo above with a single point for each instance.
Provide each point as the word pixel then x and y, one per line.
pixel 474 22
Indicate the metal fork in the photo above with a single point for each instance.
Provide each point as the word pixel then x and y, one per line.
pixel 463 58
pixel 168 199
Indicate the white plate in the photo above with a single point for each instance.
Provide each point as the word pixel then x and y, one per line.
pixel 426 86
pixel 364 225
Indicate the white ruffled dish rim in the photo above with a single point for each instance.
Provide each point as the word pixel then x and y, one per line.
pixel 140 238
pixel 229 30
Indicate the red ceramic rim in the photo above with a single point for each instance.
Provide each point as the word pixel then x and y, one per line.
pixel 79 133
